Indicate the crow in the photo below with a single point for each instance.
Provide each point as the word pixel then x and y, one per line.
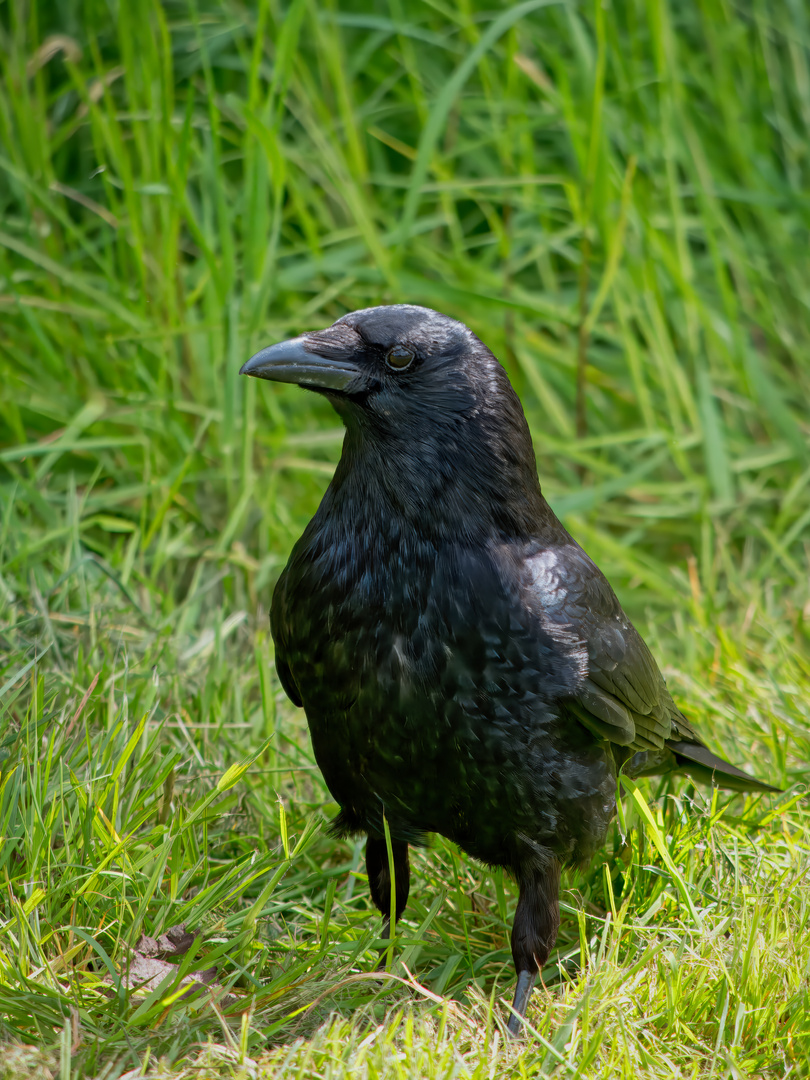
pixel 464 666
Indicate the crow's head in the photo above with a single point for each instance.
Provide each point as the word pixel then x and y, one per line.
pixel 422 398
pixel 384 364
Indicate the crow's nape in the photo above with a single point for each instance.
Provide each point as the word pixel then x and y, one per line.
pixel 534 931
pixel 379 877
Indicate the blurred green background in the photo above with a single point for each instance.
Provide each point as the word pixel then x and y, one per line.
pixel 615 198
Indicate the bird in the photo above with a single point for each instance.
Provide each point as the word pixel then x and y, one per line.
pixel 465 668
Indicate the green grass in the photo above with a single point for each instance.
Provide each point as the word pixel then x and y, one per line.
pixel 616 199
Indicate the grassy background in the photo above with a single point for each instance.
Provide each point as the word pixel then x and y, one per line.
pixel 615 198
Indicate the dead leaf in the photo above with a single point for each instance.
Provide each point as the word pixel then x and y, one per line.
pixel 175 942
pixel 146 973
pixel 146 970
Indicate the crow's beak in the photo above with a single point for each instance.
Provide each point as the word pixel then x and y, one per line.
pixel 319 361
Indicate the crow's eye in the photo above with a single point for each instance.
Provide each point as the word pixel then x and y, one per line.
pixel 399 358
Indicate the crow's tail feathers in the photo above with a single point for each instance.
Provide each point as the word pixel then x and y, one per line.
pixel 702 764
pixel 696 760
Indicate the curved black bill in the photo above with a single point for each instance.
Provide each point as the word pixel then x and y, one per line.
pixel 291 361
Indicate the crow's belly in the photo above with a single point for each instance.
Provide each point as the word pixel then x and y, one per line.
pixel 501 787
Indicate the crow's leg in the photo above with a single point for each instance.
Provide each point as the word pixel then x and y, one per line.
pixel 379 877
pixel 534 930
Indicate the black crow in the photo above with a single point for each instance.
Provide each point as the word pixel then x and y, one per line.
pixel 465 668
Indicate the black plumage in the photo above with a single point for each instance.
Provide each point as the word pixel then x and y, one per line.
pixel 465 668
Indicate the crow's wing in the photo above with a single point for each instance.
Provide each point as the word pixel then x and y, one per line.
pixel 622 695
